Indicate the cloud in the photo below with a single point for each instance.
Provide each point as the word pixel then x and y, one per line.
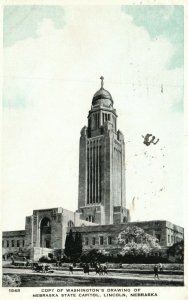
pixel 162 20
pixel 21 22
pixel 55 75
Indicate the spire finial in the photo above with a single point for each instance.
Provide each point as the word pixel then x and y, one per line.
pixel 102 81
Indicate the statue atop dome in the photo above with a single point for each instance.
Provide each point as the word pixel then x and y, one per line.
pixel 102 82
pixel 102 95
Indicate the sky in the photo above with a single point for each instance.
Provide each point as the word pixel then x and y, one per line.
pixel 53 57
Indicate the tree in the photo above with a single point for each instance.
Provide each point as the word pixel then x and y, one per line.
pixel 176 252
pixel 73 246
pixel 69 244
pixel 135 244
pixel 78 245
pixel 134 234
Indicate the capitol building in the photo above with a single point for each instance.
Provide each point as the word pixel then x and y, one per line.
pixel 102 212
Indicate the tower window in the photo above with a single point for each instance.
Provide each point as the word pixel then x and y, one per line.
pixel 93 241
pixel 98 120
pixel 95 122
pixel 12 243
pixel 108 117
pixel 70 223
pixel 7 243
pixel 18 243
pixel 90 219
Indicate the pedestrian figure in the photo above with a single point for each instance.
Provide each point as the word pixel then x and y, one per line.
pixel 86 269
pixel 12 258
pixel 70 269
pixel 100 270
pixel 156 271
pixel 160 267
pixel 27 262
pixel 43 268
pixel 105 269
pixel 97 269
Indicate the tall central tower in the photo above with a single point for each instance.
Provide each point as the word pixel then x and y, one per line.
pixel 102 164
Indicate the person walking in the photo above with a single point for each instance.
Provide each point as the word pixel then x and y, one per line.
pixel 86 268
pixel 97 269
pixel 12 259
pixel 105 269
pixel 156 272
pixel 160 267
pixel 70 269
pixel 44 268
pixel 27 262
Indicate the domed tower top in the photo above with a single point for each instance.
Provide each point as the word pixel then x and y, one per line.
pixel 102 96
pixel 101 113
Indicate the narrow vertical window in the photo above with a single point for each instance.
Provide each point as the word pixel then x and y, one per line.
pixel 100 173
pixel 88 175
pixel 86 241
pixel 109 240
pixel 98 120
pixel 103 118
pixel 101 240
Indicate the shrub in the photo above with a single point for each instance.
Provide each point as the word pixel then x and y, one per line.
pixel 176 252
pixel 46 259
pixel 95 256
pixel 13 281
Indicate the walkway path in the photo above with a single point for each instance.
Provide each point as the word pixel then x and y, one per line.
pixel 146 279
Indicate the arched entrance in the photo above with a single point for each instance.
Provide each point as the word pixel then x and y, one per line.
pixel 45 233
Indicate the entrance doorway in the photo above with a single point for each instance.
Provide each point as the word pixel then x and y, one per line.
pixel 45 233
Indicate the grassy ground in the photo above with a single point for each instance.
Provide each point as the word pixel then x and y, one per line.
pixel 30 279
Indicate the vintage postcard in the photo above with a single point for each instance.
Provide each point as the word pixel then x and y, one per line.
pixel 93 167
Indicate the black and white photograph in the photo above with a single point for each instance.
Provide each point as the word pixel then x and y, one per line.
pixel 93 149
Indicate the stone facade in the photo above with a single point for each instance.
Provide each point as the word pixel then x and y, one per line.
pixel 105 236
pixel 13 240
pixel 45 231
pixel 45 228
pixel 93 236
